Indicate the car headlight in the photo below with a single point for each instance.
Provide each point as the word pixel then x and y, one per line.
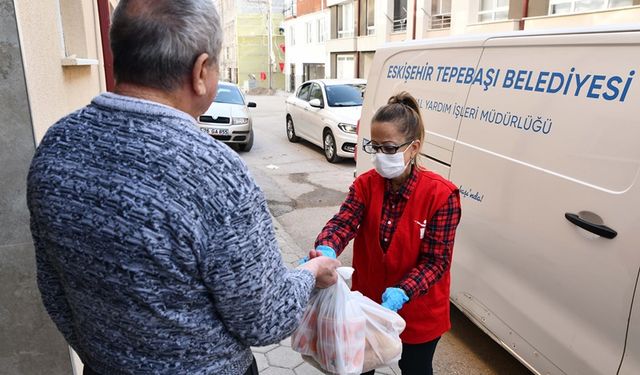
pixel 239 120
pixel 347 128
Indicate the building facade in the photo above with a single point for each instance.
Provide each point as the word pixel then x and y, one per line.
pixel 247 57
pixel 51 63
pixel 306 33
pixel 358 27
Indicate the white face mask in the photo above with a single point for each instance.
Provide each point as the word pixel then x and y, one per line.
pixel 390 165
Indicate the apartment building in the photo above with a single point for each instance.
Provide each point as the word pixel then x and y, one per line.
pixel 247 57
pixel 358 27
pixel 51 63
pixel 454 17
pixel 306 33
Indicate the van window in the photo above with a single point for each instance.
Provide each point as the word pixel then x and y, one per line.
pixel 559 109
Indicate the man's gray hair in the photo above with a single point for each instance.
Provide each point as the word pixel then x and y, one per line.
pixel 156 42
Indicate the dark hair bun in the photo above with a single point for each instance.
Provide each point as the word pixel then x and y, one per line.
pixel 406 99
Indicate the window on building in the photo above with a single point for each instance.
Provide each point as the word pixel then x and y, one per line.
pixel 370 15
pixel 290 8
pixel 74 29
pixel 292 35
pixel 345 67
pixel 493 10
pixel 345 20
pixel 313 71
pixel 320 30
pixel 577 6
pixel 399 15
pixel 440 14
pixel 309 33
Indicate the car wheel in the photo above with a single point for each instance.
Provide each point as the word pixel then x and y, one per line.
pixel 330 148
pixel 245 147
pixel 291 131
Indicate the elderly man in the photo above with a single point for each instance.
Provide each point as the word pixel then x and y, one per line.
pixel 155 249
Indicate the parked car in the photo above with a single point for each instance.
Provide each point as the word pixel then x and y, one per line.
pixel 228 118
pixel 325 112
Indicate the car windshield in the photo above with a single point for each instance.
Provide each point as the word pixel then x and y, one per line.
pixel 229 95
pixel 348 95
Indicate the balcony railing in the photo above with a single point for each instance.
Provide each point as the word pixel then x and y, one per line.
pixel 345 34
pixel 371 30
pixel 399 25
pixel 441 21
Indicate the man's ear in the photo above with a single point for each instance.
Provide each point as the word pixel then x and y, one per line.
pixel 200 74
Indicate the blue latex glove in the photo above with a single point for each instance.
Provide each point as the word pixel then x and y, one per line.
pixel 325 250
pixel 394 298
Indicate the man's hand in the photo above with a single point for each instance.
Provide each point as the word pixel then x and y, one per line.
pixel 324 269
pixel 319 251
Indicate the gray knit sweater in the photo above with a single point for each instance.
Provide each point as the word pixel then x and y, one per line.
pixel 155 249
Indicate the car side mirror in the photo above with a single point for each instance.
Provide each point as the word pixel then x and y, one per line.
pixel 316 103
pixel 251 105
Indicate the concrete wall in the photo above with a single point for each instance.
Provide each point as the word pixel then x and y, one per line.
pixel 29 342
pixel 49 33
pixel 620 16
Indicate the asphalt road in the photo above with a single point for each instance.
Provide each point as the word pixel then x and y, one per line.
pixel 304 191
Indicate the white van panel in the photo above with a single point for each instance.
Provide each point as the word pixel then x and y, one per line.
pixel 556 296
pixel 416 70
pixel 584 144
pixel 631 362
pixel 564 290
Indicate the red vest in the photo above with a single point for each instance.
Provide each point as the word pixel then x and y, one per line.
pixel 427 316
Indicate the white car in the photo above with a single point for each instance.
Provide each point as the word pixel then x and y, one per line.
pixel 228 119
pixel 325 112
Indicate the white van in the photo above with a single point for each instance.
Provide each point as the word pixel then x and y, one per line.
pixel 541 132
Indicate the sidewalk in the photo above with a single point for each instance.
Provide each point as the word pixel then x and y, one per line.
pixel 280 359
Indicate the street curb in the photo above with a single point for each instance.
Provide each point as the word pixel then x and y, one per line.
pixel 291 252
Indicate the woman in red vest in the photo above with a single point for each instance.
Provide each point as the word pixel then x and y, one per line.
pixel 404 220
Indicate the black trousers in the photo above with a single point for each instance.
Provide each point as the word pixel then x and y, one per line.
pixel 416 359
pixel 252 370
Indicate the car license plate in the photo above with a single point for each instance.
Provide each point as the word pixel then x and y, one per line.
pixel 214 131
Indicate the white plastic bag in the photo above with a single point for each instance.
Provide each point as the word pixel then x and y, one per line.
pixel 345 333
pixel 382 334
pixel 332 329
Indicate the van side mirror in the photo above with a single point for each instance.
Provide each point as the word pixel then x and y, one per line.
pixel 251 105
pixel 316 103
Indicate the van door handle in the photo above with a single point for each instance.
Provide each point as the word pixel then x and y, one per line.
pixel 599 229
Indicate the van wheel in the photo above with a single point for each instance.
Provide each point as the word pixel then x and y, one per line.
pixel 330 148
pixel 291 131
pixel 246 147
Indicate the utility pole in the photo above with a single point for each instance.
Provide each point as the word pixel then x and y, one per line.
pixel 270 35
